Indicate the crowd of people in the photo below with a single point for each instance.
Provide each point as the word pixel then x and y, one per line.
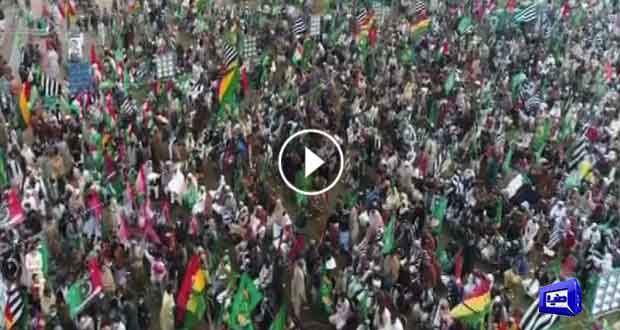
pixel 480 141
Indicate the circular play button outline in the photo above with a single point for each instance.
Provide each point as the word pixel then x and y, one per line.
pixel 340 155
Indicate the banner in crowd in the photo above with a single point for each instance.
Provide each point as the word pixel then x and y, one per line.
pixel 80 77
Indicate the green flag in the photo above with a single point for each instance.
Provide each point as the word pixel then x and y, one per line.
pixel 246 299
pixel 440 206
pixel 516 82
pixel 201 5
pixel 191 197
pixel 567 126
pixel 45 255
pixel 196 308
pixel 465 25
pixel 449 83
pixel 77 297
pixel 4 177
pixel 508 160
pixel 304 183
pixel 34 96
pixel 228 92
pixel 389 244
pixel 499 211
pixel 573 180
pixel 542 135
pixel 279 323
pixel 326 290
pixel 127 81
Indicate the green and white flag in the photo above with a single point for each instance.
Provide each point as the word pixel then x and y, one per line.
pixel 527 14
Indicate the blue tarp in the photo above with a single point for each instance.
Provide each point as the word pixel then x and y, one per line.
pixel 80 77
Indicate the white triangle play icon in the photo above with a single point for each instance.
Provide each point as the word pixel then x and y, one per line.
pixel 312 162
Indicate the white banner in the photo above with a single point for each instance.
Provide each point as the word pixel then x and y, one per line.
pixel 76 44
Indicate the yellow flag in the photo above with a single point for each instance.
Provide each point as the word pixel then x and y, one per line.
pixel 23 106
pixel 199 281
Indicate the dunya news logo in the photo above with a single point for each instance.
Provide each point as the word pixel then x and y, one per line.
pixel 562 298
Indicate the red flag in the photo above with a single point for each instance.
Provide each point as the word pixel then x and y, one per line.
pixel 372 36
pixel 141 180
pixel 109 106
pixel 61 10
pixel 490 7
pixel 95 205
pixel 566 9
pixel 245 83
pixel 165 210
pixel 186 287
pixel 478 10
pixel 511 5
pixel 96 279
pixel 193 226
pixel 45 12
pixel 16 212
pixel 423 164
pixel 123 232
pixel 129 195
pixel 481 288
pixel 609 71
pixel 458 267
pixel 94 59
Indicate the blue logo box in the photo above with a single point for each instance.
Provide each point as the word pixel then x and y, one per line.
pixel 562 298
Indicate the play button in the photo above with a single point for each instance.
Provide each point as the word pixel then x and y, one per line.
pixel 310 162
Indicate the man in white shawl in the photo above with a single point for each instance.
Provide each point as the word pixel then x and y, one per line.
pixel 298 287
pixel 342 315
pixel 166 313
pixel 177 186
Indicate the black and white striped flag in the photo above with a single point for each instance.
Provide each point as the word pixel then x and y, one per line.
pixel 557 235
pixel 533 104
pixel 362 17
pixel 50 87
pixel 196 90
pixel 129 107
pixel 527 14
pixel 533 320
pixel 593 257
pixel 578 152
pixel 500 137
pixel 299 28
pixel 230 55
pixel 14 307
pixel 142 72
pixel 461 184
pixel 420 7
pixel 440 159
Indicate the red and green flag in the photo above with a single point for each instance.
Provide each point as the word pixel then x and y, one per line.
pixel 83 291
pixel 191 301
